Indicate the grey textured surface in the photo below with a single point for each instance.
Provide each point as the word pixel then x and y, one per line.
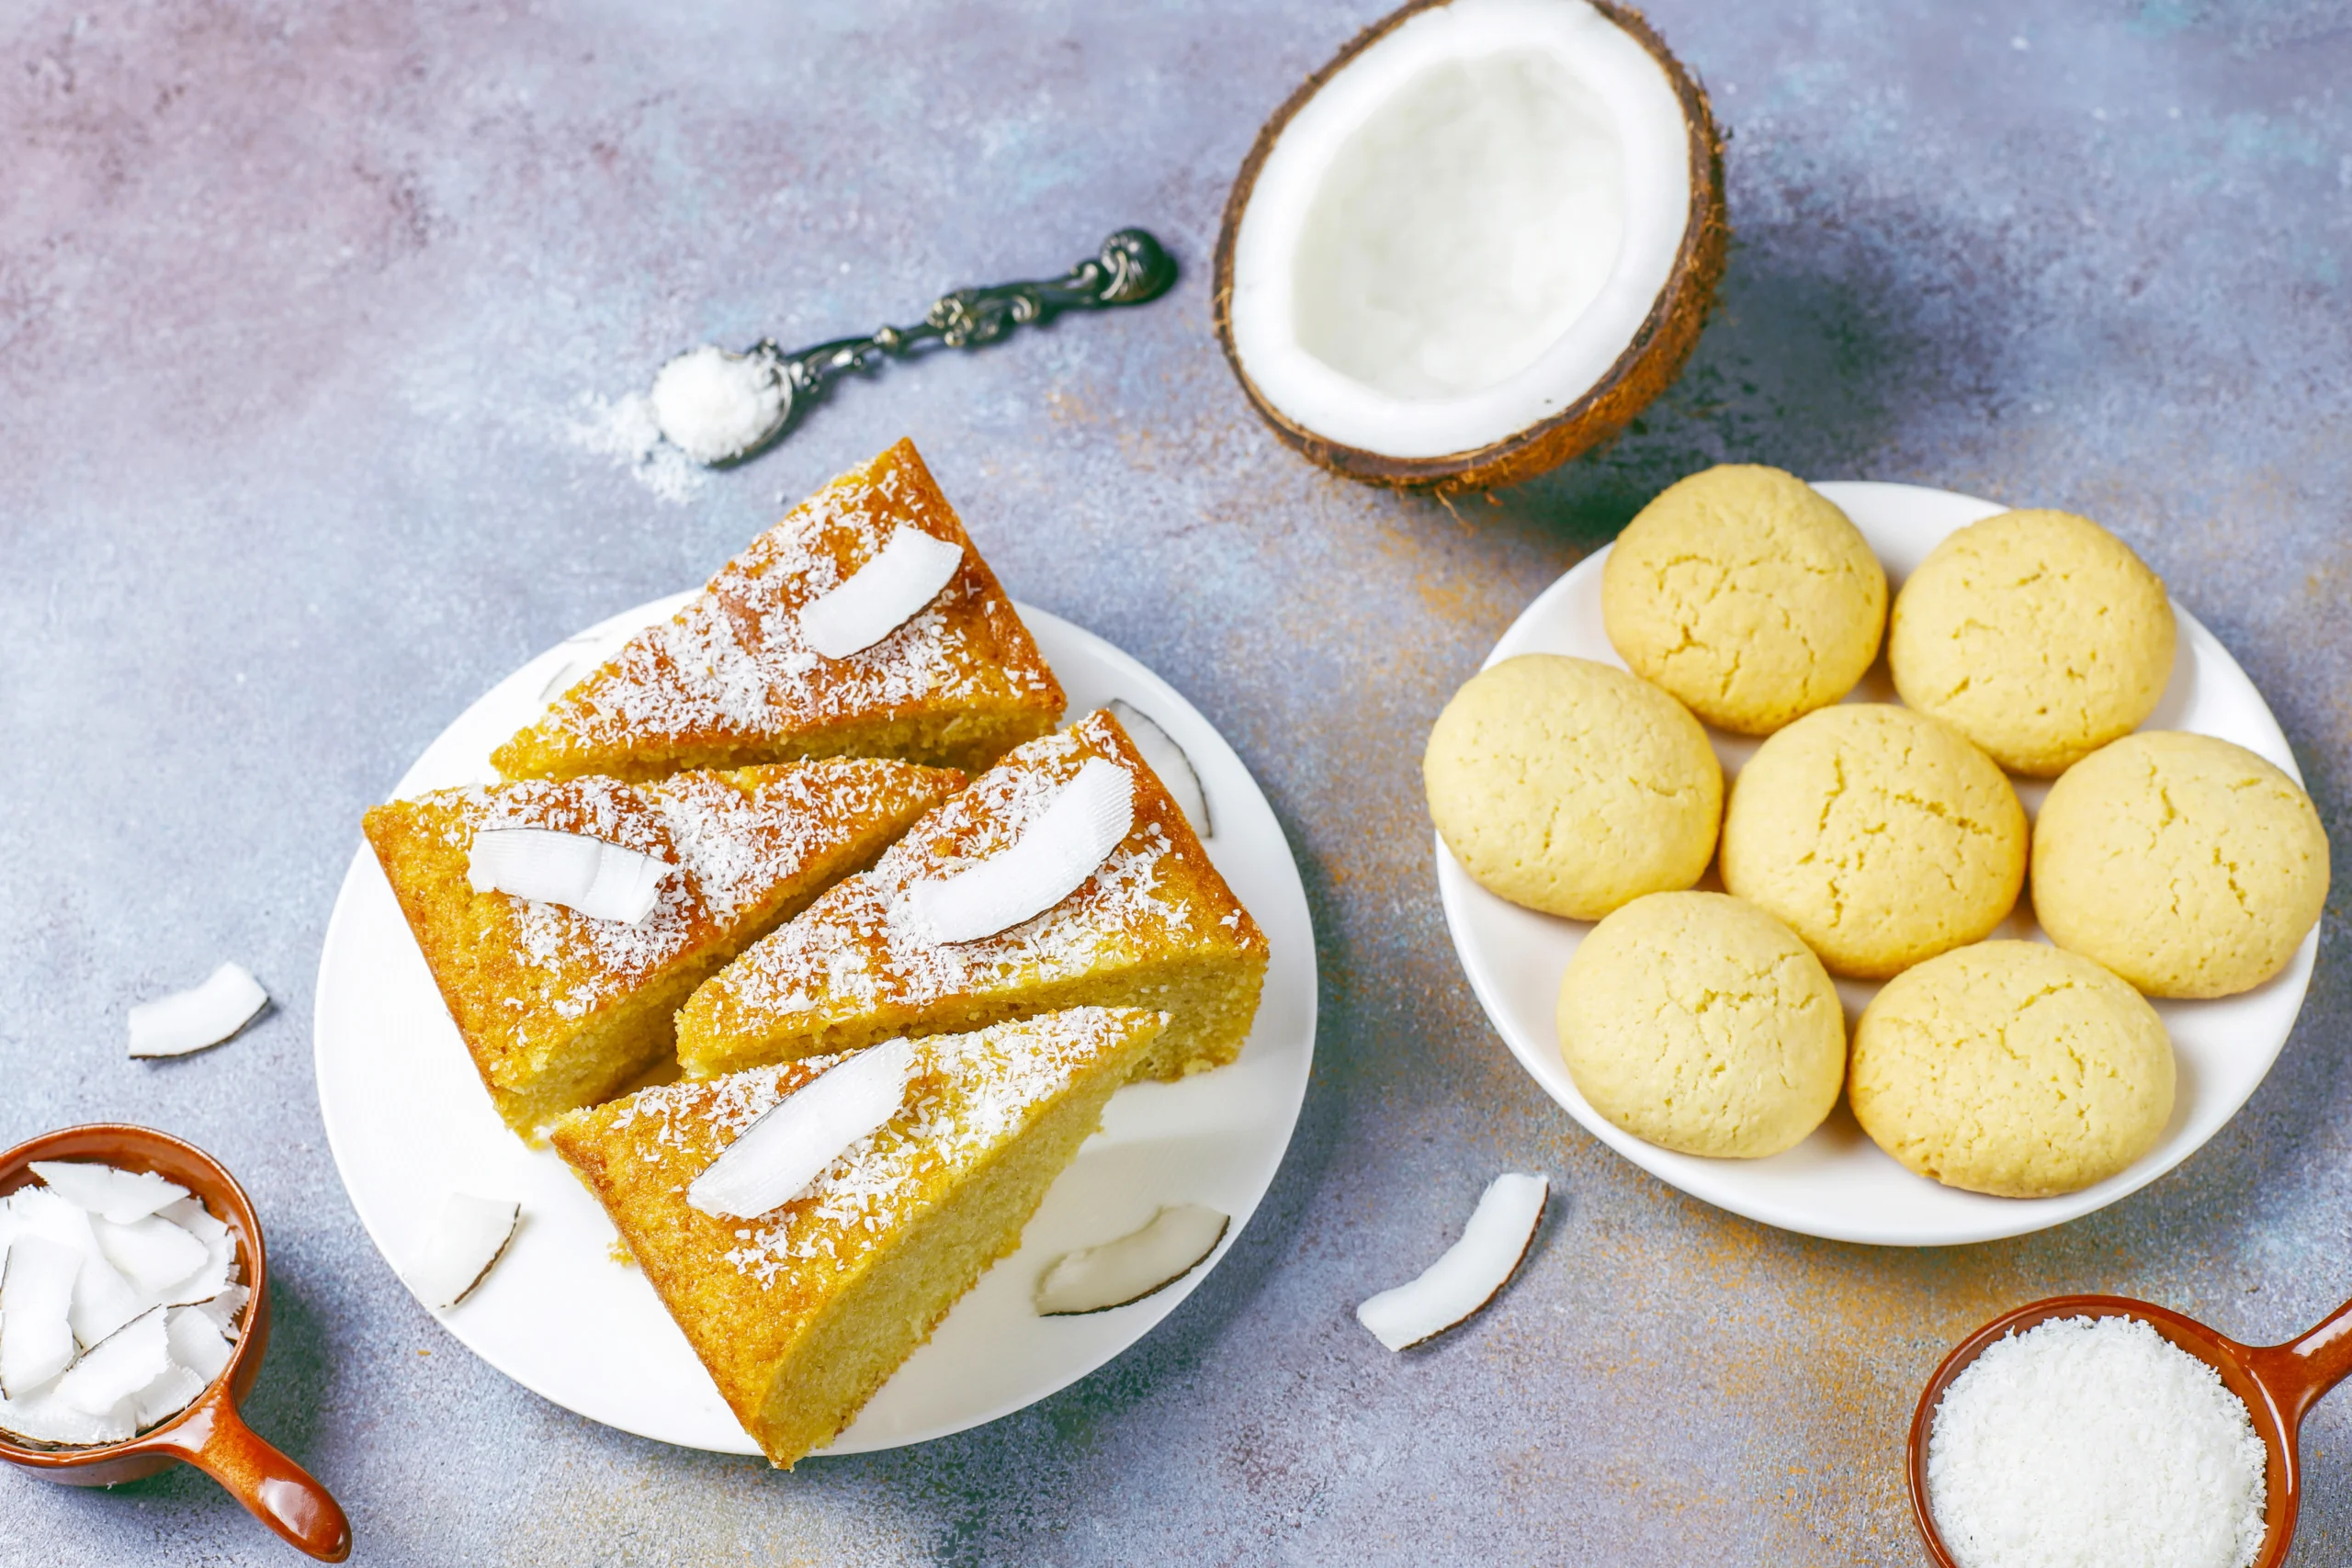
pixel 297 303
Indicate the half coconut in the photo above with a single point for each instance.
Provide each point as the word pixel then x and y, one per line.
pixel 1475 244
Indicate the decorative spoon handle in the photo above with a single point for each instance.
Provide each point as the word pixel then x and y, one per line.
pixel 1130 268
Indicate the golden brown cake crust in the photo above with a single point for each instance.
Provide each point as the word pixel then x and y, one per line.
pixel 755 1297
pixel 1156 926
pixel 729 680
pixel 550 1000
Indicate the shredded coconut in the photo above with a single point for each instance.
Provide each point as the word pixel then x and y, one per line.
pixel 716 405
pixel 626 429
pixel 2090 1443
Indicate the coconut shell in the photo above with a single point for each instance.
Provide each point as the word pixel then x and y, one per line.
pixel 1649 364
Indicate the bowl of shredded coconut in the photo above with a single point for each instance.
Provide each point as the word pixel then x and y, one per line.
pixel 2094 1431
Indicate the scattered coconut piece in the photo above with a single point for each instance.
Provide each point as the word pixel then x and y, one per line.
pixel 1472 1271
pixel 35 1298
pixel 121 1196
pixel 192 1019
pixel 195 1344
pixel 1139 1264
pixel 905 574
pixel 103 1302
pixel 169 1395
pixel 472 1236
pixel 153 1254
pixel 1169 761
pixel 1055 854
pixel 118 1367
pixel 602 880
pixel 789 1145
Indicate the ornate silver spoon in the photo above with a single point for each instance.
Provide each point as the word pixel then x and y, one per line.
pixel 722 407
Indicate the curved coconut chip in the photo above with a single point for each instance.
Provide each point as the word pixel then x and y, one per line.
pixel 904 575
pixel 602 880
pixel 1473 1270
pixel 1169 761
pixel 470 1239
pixel 791 1143
pixel 1144 1262
pixel 205 1015
pixel 1054 856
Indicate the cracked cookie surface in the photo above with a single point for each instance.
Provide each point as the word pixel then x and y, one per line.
pixel 1571 787
pixel 1699 1022
pixel 2188 865
pixel 2013 1068
pixel 1880 836
pixel 2038 635
pixel 1746 593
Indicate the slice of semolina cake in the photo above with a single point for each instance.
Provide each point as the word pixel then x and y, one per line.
pixel 561 1009
pixel 732 679
pixel 802 1314
pixel 1154 926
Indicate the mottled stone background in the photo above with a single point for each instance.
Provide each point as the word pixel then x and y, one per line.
pixel 299 302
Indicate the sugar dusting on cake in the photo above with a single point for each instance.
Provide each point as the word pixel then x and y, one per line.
pixel 861 946
pixel 971 1092
pixel 734 662
pixel 731 847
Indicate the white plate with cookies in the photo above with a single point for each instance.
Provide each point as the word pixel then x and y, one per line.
pixel 1837 1183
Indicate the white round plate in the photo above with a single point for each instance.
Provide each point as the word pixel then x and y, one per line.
pixel 408 1122
pixel 1837 1183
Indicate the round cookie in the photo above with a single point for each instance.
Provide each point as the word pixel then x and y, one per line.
pixel 2188 866
pixel 1698 1022
pixel 1878 834
pixel 1746 593
pixel 2038 635
pixel 2012 1068
pixel 1571 787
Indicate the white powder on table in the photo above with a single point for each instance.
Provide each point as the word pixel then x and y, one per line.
pixel 2093 1443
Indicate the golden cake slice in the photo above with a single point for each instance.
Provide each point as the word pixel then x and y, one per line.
pixel 561 1009
pixel 1155 926
pixel 802 1314
pixel 731 679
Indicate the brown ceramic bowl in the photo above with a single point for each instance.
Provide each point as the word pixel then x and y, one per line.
pixel 2279 1382
pixel 209 1434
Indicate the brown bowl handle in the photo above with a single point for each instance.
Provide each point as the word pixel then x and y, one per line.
pixel 2298 1372
pixel 273 1489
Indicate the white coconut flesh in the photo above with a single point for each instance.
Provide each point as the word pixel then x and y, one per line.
pixel 1461 234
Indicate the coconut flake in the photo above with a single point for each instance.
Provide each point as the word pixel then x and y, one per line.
pixel 1169 761
pixel 904 575
pixel 153 1254
pixel 791 1143
pixel 170 1394
pixel 192 1216
pixel 103 1300
pixel 602 880
pixel 220 1310
pixel 1068 840
pixel 1472 1271
pixel 42 1417
pixel 36 1301
pixel 472 1236
pixel 121 1196
pixel 1141 1263
pixel 192 1019
pixel 119 1367
pixel 194 1342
